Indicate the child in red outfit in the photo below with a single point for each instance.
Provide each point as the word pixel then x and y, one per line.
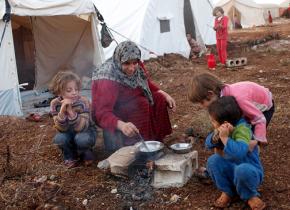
pixel 221 28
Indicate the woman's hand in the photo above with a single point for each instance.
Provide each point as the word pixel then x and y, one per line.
pixel 169 100
pixel 127 128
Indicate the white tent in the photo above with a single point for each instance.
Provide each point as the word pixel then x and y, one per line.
pixel 45 37
pixel 249 12
pixel 158 25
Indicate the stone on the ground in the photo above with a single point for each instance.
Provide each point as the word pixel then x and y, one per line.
pixel 174 170
pixel 104 164
pixel 119 161
pixel 174 198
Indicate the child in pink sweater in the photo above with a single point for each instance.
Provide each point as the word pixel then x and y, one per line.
pixel 255 100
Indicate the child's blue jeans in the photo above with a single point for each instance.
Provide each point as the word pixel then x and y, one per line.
pixel 75 144
pixel 242 179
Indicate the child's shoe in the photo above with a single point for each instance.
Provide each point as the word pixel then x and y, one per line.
pixel 223 201
pixel 256 203
pixel 201 173
pixel 88 157
pixel 71 163
pixel 88 162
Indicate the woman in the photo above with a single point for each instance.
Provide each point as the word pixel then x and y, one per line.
pixel 125 101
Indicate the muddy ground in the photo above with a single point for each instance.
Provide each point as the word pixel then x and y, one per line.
pixel 32 175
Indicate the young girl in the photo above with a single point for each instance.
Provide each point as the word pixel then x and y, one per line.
pixel 255 100
pixel 234 170
pixel 221 28
pixel 71 115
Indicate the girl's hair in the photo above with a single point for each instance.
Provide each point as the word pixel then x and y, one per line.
pixel 59 81
pixel 201 84
pixel 226 109
pixel 217 9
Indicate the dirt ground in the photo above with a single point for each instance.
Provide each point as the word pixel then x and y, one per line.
pixel 32 175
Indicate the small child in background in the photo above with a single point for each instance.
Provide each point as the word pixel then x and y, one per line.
pixel 270 19
pixel 71 115
pixel 194 47
pixel 255 100
pixel 234 170
pixel 237 23
pixel 221 28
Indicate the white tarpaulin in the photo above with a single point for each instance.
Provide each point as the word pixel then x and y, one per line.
pixel 141 20
pixel 9 93
pixel 51 7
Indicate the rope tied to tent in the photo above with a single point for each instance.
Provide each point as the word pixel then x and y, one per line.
pixel 150 51
pixel 6 18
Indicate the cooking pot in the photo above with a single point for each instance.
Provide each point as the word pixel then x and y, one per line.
pixel 154 149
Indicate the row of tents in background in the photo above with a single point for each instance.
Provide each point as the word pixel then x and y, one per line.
pixel 252 12
pixel 44 37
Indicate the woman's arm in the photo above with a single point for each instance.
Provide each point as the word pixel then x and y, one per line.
pixel 169 99
pixel 154 88
pixel 104 97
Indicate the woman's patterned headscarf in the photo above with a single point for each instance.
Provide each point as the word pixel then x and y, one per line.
pixel 112 69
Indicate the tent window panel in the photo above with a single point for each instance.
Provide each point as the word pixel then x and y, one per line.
pixel 164 26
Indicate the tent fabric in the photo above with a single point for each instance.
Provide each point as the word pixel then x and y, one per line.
pixel 51 8
pixel 9 77
pixel 139 21
pixel 61 43
pixel 279 3
pixel 10 102
pixel 9 91
pixel 204 19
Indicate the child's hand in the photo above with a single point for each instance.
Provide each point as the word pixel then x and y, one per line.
pixel 224 132
pixel 215 137
pixel 54 102
pixel 65 103
pixel 252 145
pixel 70 112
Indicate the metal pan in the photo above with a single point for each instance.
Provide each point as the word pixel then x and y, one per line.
pixel 181 148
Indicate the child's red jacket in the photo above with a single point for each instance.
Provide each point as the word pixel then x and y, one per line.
pixel 221 27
